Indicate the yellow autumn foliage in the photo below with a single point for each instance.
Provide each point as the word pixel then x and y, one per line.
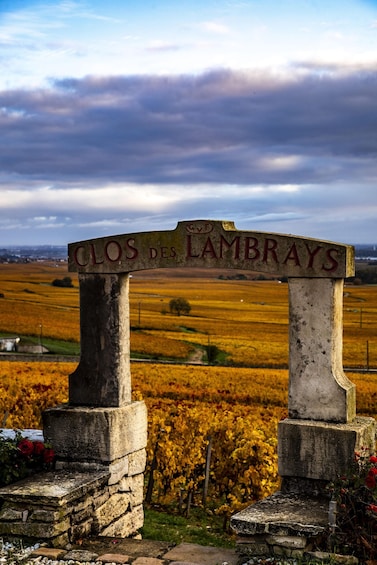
pixel 237 408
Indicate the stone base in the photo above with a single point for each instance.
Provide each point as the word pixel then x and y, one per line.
pixel 320 451
pixel 81 433
pixel 281 525
pixel 61 507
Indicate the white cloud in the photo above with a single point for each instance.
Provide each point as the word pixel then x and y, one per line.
pixel 214 27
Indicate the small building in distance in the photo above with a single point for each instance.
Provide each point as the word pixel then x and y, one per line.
pixel 9 344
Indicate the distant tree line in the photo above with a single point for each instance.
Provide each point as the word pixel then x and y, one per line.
pixel 365 274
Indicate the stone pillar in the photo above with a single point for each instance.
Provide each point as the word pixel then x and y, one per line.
pixel 103 376
pixel 101 429
pixel 318 439
pixel 318 387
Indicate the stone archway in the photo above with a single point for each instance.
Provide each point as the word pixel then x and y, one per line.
pixel 315 271
pixel 101 428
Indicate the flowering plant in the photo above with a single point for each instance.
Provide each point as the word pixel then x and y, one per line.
pixel 356 496
pixel 21 457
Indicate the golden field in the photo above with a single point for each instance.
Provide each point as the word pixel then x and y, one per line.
pixel 237 407
pixel 246 319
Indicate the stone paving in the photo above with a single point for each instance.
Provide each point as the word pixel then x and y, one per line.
pixel 137 552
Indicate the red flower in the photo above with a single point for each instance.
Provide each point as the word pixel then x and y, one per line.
pixel 372 508
pixel 48 455
pixel 26 447
pixel 373 459
pixel 370 480
pixel 38 448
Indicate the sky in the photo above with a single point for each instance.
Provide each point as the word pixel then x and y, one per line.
pixel 123 116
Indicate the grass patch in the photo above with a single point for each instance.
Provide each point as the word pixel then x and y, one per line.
pixel 54 346
pixel 58 347
pixel 201 527
pixel 187 329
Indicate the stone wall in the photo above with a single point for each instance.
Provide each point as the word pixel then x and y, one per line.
pixel 63 506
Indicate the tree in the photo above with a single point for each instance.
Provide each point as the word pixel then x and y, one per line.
pixel 66 282
pixel 179 306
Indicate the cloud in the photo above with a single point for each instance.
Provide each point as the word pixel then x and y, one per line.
pixel 93 156
pixel 227 127
pixel 214 27
pixel 158 45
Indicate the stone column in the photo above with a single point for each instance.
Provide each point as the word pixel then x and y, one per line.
pixel 100 424
pixel 101 429
pixel 103 377
pixel 318 387
pixel 318 439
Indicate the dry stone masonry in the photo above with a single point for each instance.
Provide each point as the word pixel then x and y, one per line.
pixel 100 435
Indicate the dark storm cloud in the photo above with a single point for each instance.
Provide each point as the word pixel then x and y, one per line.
pixel 219 127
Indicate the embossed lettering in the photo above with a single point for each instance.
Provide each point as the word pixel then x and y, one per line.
pixel 225 245
pixel 251 244
pixel 113 251
pixel 130 247
pixel 189 249
pixel 209 249
pixel 270 246
pixel 312 254
pixel 333 262
pixel 93 255
pixel 292 255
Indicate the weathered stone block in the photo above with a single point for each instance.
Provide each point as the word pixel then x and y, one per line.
pixel 283 515
pixel 100 498
pixel 46 504
pixel 53 489
pixel 137 490
pixel 127 525
pixel 116 506
pixel 290 542
pixel 137 462
pixel 45 515
pixel 83 515
pixel 254 546
pixel 82 466
pixel 34 529
pixel 9 514
pixel 99 434
pixel 118 469
pixel 318 387
pixel 320 450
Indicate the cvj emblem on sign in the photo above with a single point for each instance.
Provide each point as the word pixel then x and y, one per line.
pixel 200 227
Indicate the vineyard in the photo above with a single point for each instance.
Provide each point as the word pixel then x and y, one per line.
pixel 234 411
pixel 247 320
pixel 212 430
